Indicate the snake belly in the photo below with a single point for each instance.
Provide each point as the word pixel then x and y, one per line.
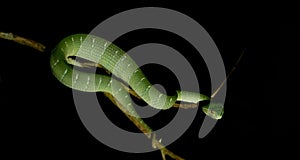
pixel 120 64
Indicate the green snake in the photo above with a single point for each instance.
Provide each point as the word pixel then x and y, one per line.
pixel 102 52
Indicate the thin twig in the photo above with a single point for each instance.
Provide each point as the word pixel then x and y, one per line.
pixel 230 73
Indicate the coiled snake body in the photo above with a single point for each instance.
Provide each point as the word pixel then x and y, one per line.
pixel 116 61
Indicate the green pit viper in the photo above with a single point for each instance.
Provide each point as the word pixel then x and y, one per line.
pixel 102 52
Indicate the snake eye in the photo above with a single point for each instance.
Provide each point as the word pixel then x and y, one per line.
pixel 214 110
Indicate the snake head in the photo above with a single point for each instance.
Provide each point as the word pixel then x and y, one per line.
pixel 214 110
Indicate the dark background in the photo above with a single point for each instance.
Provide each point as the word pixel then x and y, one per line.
pixel 39 116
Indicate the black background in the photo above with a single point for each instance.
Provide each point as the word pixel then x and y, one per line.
pixel 39 116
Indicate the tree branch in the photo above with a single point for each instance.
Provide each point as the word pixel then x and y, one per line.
pixel 27 42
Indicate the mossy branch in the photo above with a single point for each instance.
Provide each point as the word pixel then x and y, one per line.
pixel 25 41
